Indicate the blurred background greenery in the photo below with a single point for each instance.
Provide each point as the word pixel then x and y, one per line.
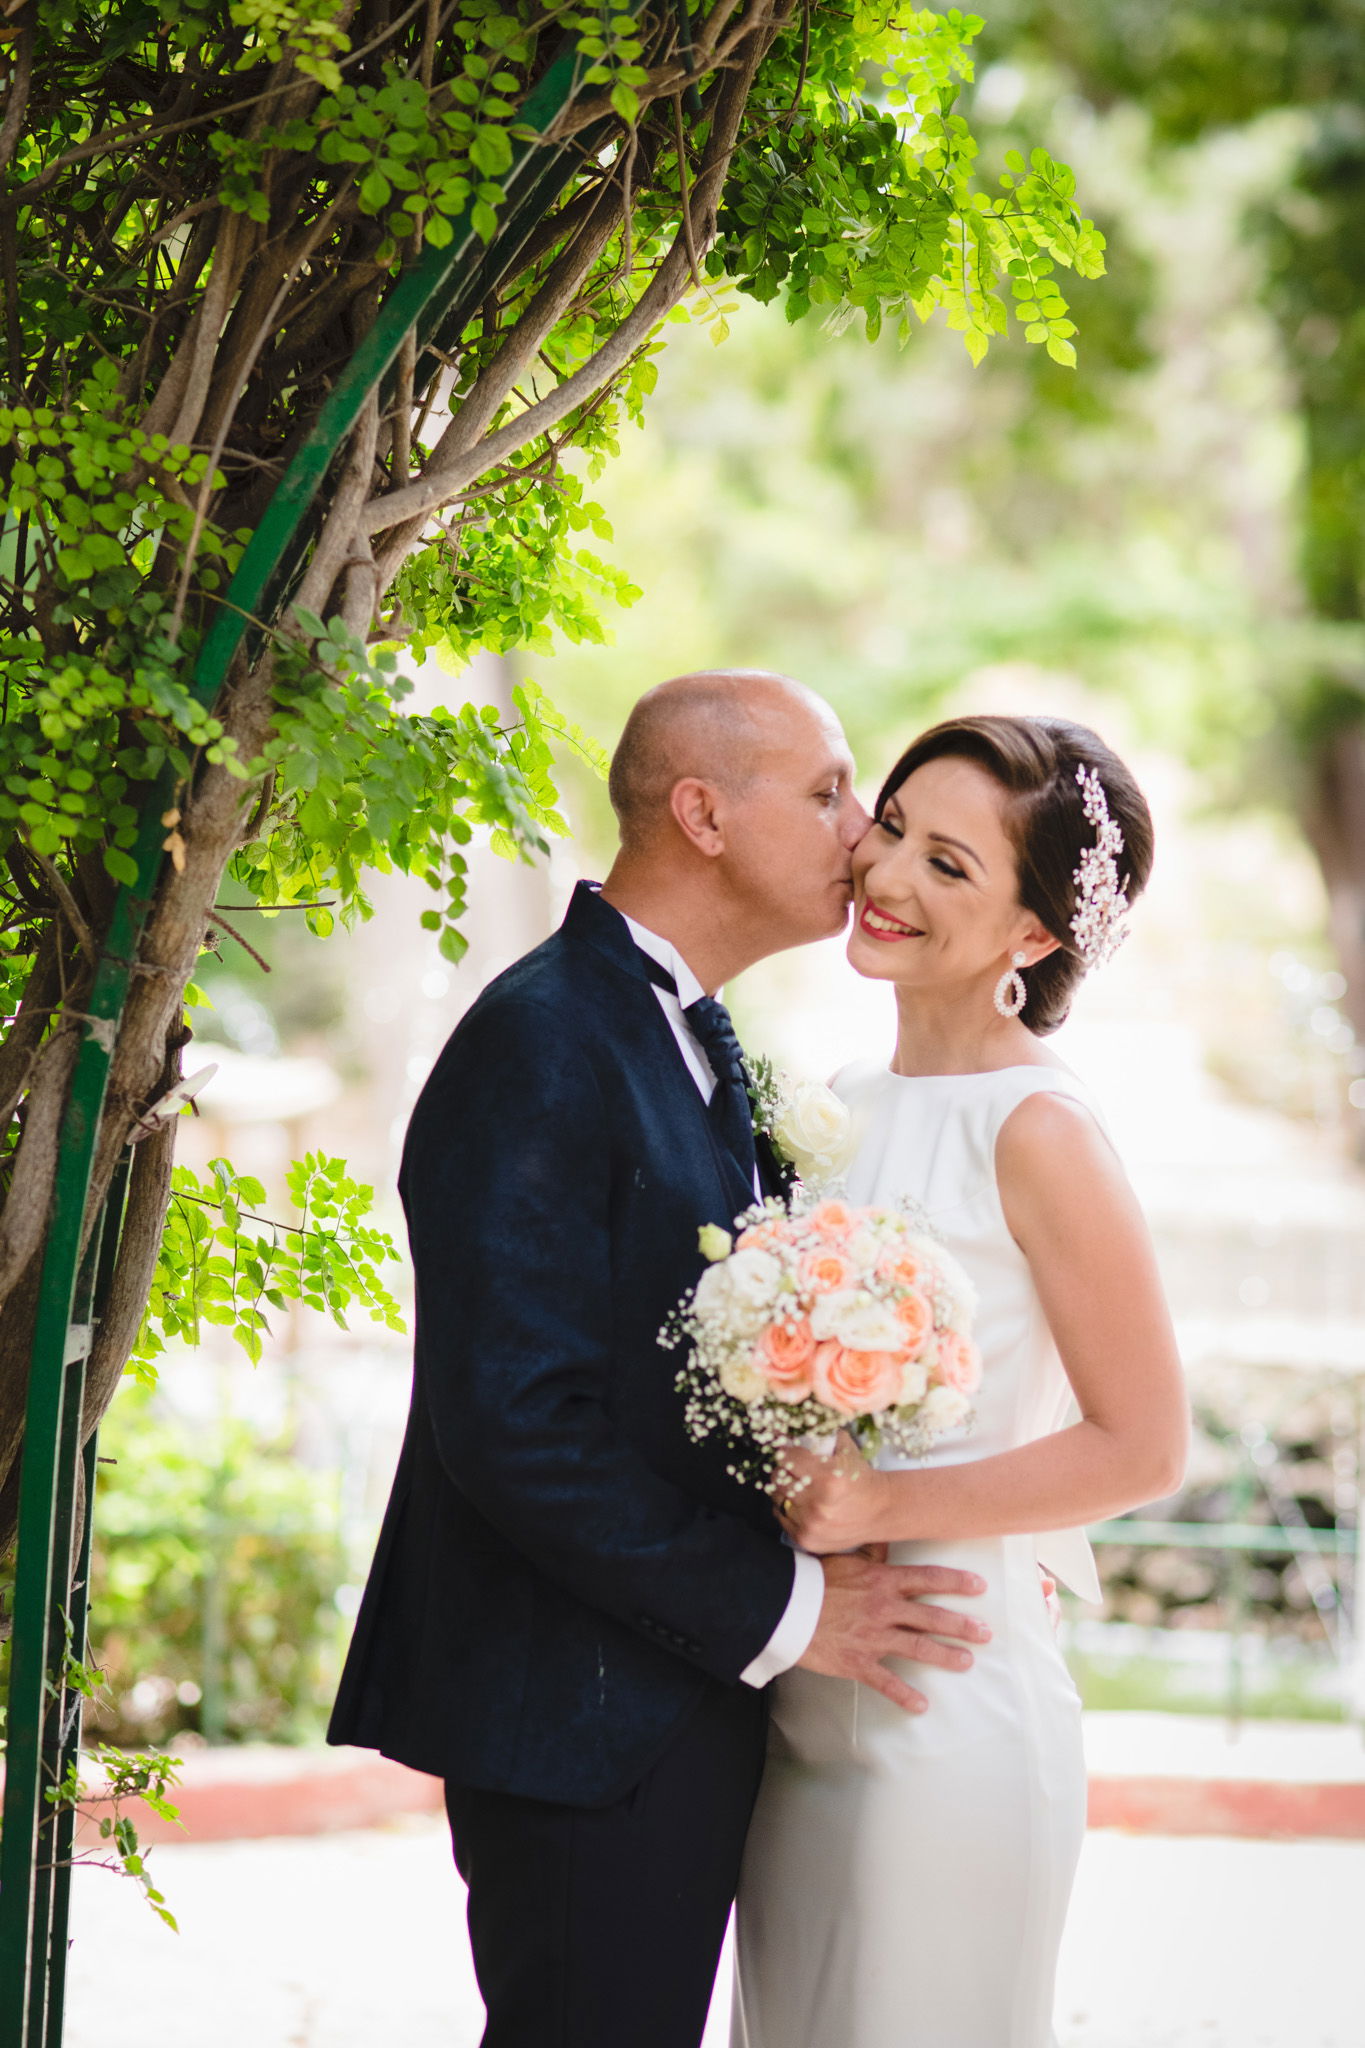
pixel 1166 542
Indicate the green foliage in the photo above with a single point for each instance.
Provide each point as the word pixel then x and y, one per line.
pixel 125 1778
pixel 1195 70
pixel 223 1264
pixel 411 157
pixel 866 205
pixel 509 575
pixel 852 193
pixel 213 1581
pixel 360 784
pixel 91 498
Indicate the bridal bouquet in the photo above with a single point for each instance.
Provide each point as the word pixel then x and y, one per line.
pixel 825 1318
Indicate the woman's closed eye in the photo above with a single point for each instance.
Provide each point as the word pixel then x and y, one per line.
pixel 946 867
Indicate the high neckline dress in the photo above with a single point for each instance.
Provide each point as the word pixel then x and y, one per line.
pixel 906 1878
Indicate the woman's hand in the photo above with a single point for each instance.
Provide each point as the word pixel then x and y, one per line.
pixel 829 1504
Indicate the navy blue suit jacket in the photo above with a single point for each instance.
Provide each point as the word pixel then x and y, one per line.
pixel 561 1572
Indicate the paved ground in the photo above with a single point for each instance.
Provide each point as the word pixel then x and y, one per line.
pixel 356 1941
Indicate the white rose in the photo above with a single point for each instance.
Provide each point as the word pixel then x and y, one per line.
pixel 755 1277
pixel 742 1379
pixel 857 1322
pixel 862 1249
pixel 741 1288
pixel 914 1380
pixel 815 1131
pixel 944 1408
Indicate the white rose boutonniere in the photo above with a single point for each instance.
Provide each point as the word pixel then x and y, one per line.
pixel 806 1123
pixel 815 1131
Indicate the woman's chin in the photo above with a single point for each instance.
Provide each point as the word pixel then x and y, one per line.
pixel 875 961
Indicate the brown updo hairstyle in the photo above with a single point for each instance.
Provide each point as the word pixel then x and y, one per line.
pixel 1035 761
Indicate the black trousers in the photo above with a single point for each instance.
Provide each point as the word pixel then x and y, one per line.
pixel 601 1927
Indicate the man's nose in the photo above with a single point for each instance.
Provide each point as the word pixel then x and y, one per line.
pixel 857 824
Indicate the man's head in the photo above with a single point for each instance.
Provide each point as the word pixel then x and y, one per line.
pixel 736 787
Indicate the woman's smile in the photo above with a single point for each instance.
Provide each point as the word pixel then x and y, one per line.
pixel 879 924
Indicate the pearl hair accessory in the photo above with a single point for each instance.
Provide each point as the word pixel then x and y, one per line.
pixel 1011 991
pixel 1100 924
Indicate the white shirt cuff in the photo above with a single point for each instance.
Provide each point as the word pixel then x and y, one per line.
pixel 790 1640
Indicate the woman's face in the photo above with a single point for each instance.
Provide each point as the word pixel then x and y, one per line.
pixel 936 885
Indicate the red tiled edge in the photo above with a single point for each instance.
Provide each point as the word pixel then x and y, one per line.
pixel 371 1790
pixel 1228 1806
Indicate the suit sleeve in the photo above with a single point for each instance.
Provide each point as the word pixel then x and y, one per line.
pixel 507 1183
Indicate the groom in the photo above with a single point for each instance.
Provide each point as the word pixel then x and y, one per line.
pixel 573 1611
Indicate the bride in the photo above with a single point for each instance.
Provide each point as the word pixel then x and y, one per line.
pixel 907 1875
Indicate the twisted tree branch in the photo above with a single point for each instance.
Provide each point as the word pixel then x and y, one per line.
pixel 459 458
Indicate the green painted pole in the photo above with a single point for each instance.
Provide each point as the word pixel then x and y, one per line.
pixel 64 1833
pixel 269 561
pixel 68 1758
pixel 46 1885
pixel 29 1656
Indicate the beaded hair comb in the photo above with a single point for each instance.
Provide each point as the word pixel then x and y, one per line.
pixel 1100 924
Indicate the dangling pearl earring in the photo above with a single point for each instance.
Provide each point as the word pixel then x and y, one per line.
pixel 1011 993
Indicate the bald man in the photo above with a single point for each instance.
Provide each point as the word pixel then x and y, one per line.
pixel 574 1611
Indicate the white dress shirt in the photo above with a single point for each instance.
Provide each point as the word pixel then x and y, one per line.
pixel 791 1638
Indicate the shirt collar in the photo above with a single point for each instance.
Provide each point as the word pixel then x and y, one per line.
pixel 690 989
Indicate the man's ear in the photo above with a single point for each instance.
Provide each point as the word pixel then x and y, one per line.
pixel 696 808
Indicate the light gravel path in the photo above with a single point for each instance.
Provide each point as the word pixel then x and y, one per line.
pixel 357 1941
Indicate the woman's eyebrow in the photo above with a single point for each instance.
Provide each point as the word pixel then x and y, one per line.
pixel 961 846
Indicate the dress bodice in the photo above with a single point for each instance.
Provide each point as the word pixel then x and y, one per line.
pixel 932 1139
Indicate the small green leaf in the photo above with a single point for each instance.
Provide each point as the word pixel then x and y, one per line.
pixel 120 865
pixel 626 102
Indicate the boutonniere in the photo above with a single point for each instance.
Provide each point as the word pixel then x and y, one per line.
pixel 806 1124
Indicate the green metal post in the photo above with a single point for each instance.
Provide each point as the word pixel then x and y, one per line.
pixel 64 1842
pixel 78 1613
pixel 45 1886
pixel 38 1542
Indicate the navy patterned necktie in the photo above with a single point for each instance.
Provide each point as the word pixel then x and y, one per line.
pixel 730 1110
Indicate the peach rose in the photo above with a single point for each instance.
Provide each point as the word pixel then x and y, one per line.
pixel 915 1317
pixel 831 1219
pixel 899 1269
pixel 758 1237
pixel 856 1382
pixel 825 1272
pixel 958 1363
pixel 785 1354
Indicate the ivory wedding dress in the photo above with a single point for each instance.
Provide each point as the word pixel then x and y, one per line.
pixel 906 1876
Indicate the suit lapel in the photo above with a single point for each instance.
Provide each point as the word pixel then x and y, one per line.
pixel 605 930
pixel 692 1114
